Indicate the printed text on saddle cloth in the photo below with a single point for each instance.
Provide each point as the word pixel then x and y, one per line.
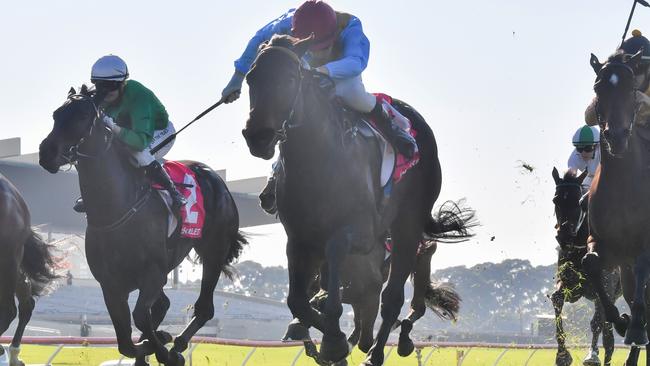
pixel 193 213
pixel 402 163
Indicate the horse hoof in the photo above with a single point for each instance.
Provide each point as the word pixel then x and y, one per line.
pixel 563 359
pixel 636 336
pixel 405 346
pixel 591 359
pixel 622 324
pixel 296 332
pixel 175 359
pixel 334 349
pixel 164 337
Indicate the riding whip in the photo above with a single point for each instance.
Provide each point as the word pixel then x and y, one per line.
pixel 629 19
pixel 173 136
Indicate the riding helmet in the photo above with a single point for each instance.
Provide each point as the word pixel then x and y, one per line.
pixel 109 68
pixel 586 136
pixel 317 17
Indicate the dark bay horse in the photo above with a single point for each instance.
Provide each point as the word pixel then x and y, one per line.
pixel 328 197
pixel 571 284
pixel 26 265
pixel 126 239
pixel 619 204
pixel 362 278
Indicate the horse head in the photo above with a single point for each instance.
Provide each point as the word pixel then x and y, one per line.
pixel 73 122
pixel 275 84
pixel 615 99
pixel 569 208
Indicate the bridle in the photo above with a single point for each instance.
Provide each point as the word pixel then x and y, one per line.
pixel 627 69
pixel 287 123
pixel 74 153
pixel 583 213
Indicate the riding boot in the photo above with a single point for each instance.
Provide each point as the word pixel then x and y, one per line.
pixel 267 196
pixel 159 175
pixel 79 205
pixel 403 142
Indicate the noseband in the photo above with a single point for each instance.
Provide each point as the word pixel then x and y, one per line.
pixel 74 153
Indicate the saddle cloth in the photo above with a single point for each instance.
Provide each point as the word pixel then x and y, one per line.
pixel 193 213
pixel 393 165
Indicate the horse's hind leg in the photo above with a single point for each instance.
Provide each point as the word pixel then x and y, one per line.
pixel 8 280
pixel 636 332
pixel 26 305
pixel 406 237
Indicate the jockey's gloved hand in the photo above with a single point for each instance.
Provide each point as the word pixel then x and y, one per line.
pixel 108 121
pixel 232 91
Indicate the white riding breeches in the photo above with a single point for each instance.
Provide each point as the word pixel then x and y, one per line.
pixel 144 157
pixel 354 94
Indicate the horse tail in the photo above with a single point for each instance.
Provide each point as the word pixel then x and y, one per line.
pixel 38 264
pixel 451 224
pixel 443 300
pixel 236 247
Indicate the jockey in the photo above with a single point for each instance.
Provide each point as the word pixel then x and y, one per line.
pixel 341 51
pixel 586 155
pixel 630 47
pixel 137 118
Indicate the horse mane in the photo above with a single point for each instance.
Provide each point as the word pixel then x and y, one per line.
pixel 281 40
pixel 570 176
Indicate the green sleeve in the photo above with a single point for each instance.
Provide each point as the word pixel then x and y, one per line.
pixel 139 136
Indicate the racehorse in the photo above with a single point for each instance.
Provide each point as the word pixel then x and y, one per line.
pixel 571 285
pixel 362 278
pixel 127 244
pixel 26 265
pixel 328 195
pixel 620 196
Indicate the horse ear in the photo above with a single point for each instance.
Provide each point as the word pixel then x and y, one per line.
pixel 595 64
pixel 302 46
pixel 582 176
pixel 556 176
pixel 634 61
pixel 71 92
pixel 84 89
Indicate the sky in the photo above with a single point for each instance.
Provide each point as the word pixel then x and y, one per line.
pixel 501 83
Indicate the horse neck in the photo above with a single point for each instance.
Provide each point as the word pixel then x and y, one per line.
pixel 313 144
pixel 107 186
pixel 627 172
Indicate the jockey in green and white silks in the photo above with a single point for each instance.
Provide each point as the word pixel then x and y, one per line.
pixel 136 117
pixel 586 155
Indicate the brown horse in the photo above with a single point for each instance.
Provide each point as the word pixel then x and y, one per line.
pixel 328 196
pixel 26 265
pixel 619 204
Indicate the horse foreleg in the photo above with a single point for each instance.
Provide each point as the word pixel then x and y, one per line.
pixel 594 273
pixel 158 312
pixel 302 268
pixel 392 298
pixel 334 346
pixel 596 327
pixel 26 305
pixel 563 357
pixel 636 332
pixel 118 309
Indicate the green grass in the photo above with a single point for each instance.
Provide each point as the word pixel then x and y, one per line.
pixel 218 355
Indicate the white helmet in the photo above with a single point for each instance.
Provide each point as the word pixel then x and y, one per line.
pixel 586 135
pixel 109 68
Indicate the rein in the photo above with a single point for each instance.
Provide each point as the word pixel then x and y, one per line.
pixel 126 217
pixel 583 214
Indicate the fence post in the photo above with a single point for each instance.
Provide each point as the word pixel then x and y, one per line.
pixel 248 356
pixel 464 355
pixel 530 356
pixel 190 351
pixel 388 354
pixel 295 359
pixel 49 360
pixel 496 362
pixel 426 359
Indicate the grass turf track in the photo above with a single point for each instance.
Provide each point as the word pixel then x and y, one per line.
pixel 220 355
